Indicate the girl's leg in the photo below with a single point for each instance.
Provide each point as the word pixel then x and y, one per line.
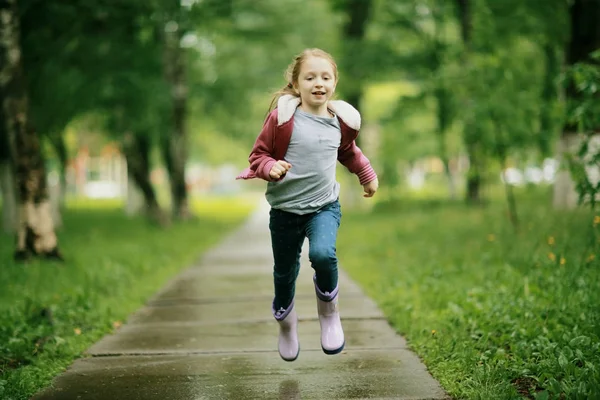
pixel 321 231
pixel 322 234
pixel 286 240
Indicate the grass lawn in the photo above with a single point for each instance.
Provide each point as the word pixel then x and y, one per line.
pixel 50 313
pixel 494 314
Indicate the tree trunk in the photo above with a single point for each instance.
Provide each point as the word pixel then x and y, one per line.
pixel 58 142
pixel 474 175
pixel 584 39
pixel 175 145
pixel 136 149
pixel 35 228
pixel 442 94
pixel 9 197
pixel 510 200
pixel 501 149
pixel 54 194
pixel 57 192
pixel 357 13
pixel 443 119
pixel 466 20
pixel 550 97
pixel 134 203
pixel 7 179
pixel 564 192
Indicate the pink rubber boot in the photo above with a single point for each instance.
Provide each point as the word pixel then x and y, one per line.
pixel 288 344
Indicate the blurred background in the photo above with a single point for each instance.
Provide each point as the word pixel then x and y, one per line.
pixel 153 103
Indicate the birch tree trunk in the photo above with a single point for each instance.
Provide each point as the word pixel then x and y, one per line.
pixel 35 228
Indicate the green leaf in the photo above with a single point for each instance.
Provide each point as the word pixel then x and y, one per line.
pixel 580 341
pixel 562 360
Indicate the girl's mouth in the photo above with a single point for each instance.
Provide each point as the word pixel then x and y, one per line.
pixel 319 93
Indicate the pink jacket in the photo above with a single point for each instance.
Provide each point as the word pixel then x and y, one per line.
pixel 274 139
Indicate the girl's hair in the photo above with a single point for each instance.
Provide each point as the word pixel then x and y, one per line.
pixel 293 70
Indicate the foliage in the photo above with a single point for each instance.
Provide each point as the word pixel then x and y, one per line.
pixel 493 314
pixel 493 89
pixel 583 112
pixel 49 313
pixel 102 61
pixel 237 62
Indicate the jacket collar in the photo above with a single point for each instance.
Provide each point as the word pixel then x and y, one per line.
pixel 287 104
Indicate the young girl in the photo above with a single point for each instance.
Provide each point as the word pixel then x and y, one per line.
pixel 296 153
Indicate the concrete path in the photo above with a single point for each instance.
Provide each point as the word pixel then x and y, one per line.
pixel 209 334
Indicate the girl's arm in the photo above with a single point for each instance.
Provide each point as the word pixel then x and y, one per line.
pixel 353 158
pixel 261 157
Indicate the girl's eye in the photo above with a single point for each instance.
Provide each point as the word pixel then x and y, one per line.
pixel 309 79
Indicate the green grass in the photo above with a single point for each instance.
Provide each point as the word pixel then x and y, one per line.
pixel 494 314
pixel 50 313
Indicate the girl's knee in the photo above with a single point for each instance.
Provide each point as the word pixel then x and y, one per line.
pixel 322 256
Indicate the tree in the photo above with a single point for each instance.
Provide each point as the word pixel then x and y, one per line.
pixel 7 179
pixel 174 147
pixel 436 53
pixel 582 97
pixel 35 229
pixel 118 87
pixel 356 14
pixel 473 146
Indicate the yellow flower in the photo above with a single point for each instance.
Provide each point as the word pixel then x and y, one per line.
pixel 552 256
pixel 551 240
pixel 491 237
pixel 562 261
pixel 596 220
pixel 116 324
pixel 591 257
pixel 77 331
pixel 433 331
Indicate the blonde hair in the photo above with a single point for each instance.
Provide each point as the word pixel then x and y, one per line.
pixel 293 71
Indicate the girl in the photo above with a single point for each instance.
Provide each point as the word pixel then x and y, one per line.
pixel 296 153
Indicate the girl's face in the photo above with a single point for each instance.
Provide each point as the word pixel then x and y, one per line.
pixel 316 84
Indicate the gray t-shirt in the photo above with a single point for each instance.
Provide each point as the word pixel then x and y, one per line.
pixel 310 183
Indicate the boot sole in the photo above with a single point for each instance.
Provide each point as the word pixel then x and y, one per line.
pixel 333 352
pixel 291 359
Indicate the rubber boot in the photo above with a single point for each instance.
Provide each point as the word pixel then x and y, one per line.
pixel 288 344
pixel 332 334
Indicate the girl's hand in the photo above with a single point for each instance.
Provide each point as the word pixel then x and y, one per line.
pixel 279 169
pixel 370 188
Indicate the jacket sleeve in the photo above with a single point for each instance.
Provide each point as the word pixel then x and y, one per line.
pixel 353 158
pixel 261 157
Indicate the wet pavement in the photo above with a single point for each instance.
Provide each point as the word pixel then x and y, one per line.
pixel 209 334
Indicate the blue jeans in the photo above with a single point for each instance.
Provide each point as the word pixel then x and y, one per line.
pixel 288 231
